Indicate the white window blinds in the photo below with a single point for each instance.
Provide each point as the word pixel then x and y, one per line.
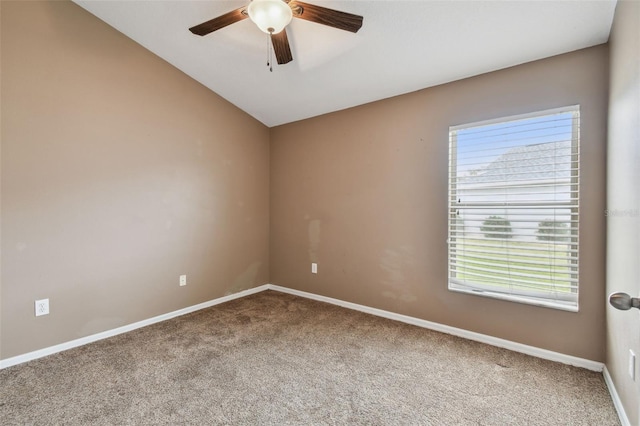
pixel 513 208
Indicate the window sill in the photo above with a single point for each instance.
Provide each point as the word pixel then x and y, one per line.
pixel 566 306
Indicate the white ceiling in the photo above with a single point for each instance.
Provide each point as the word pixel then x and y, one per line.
pixel 402 46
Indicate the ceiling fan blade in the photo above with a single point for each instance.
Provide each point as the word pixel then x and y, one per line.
pixel 322 15
pixel 220 22
pixel 281 47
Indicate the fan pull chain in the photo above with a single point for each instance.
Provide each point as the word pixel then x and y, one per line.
pixel 269 59
pixel 268 52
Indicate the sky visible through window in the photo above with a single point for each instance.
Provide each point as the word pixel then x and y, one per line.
pixel 478 146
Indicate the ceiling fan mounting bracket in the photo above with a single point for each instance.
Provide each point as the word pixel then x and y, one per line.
pixel 297 9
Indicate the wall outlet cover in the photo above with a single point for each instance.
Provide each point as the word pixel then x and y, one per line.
pixel 42 307
pixel 183 280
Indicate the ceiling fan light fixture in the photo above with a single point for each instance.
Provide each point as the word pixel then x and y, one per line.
pixel 271 16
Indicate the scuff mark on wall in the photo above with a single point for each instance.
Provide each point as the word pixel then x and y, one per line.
pixel 314 239
pixel 394 263
pixel 246 279
pixel 100 324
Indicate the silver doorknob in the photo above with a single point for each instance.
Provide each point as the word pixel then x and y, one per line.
pixel 623 301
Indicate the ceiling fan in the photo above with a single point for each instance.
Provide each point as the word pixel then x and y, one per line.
pixel 272 17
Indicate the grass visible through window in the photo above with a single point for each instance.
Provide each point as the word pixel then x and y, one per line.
pixel 514 264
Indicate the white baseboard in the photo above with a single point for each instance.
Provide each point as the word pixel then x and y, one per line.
pixel 483 338
pixel 125 328
pixel 624 420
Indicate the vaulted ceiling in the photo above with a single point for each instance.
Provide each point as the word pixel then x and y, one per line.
pixel 402 46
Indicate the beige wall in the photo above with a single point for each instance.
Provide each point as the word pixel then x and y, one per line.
pixel 119 173
pixel 623 230
pixel 363 192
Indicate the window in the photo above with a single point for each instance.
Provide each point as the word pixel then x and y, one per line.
pixel 513 208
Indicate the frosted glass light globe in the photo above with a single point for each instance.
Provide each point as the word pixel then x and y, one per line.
pixel 271 16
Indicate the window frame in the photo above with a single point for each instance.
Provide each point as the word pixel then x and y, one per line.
pixel 521 296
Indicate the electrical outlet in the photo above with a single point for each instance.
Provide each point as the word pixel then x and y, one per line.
pixel 314 268
pixel 42 307
pixel 632 365
pixel 183 280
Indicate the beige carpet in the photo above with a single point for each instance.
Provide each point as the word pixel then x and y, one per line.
pixel 272 358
